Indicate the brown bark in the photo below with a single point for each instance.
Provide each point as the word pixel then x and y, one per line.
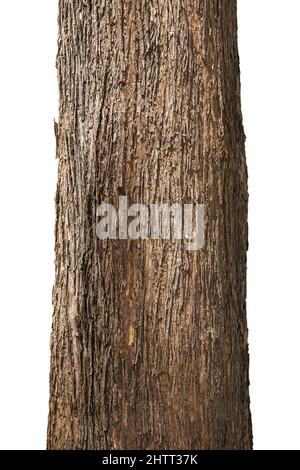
pixel 149 342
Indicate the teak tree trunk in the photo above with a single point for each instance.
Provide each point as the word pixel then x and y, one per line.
pixel 149 342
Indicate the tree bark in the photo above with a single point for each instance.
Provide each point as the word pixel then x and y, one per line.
pixel 149 344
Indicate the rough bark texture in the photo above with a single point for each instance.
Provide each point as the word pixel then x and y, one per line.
pixel 149 342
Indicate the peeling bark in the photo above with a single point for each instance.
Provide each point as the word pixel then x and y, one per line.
pixel 149 344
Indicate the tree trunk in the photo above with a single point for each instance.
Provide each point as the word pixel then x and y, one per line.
pixel 149 342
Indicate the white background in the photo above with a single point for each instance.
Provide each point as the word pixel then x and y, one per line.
pixel 269 39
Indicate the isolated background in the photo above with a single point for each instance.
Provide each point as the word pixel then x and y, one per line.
pixel 269 38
